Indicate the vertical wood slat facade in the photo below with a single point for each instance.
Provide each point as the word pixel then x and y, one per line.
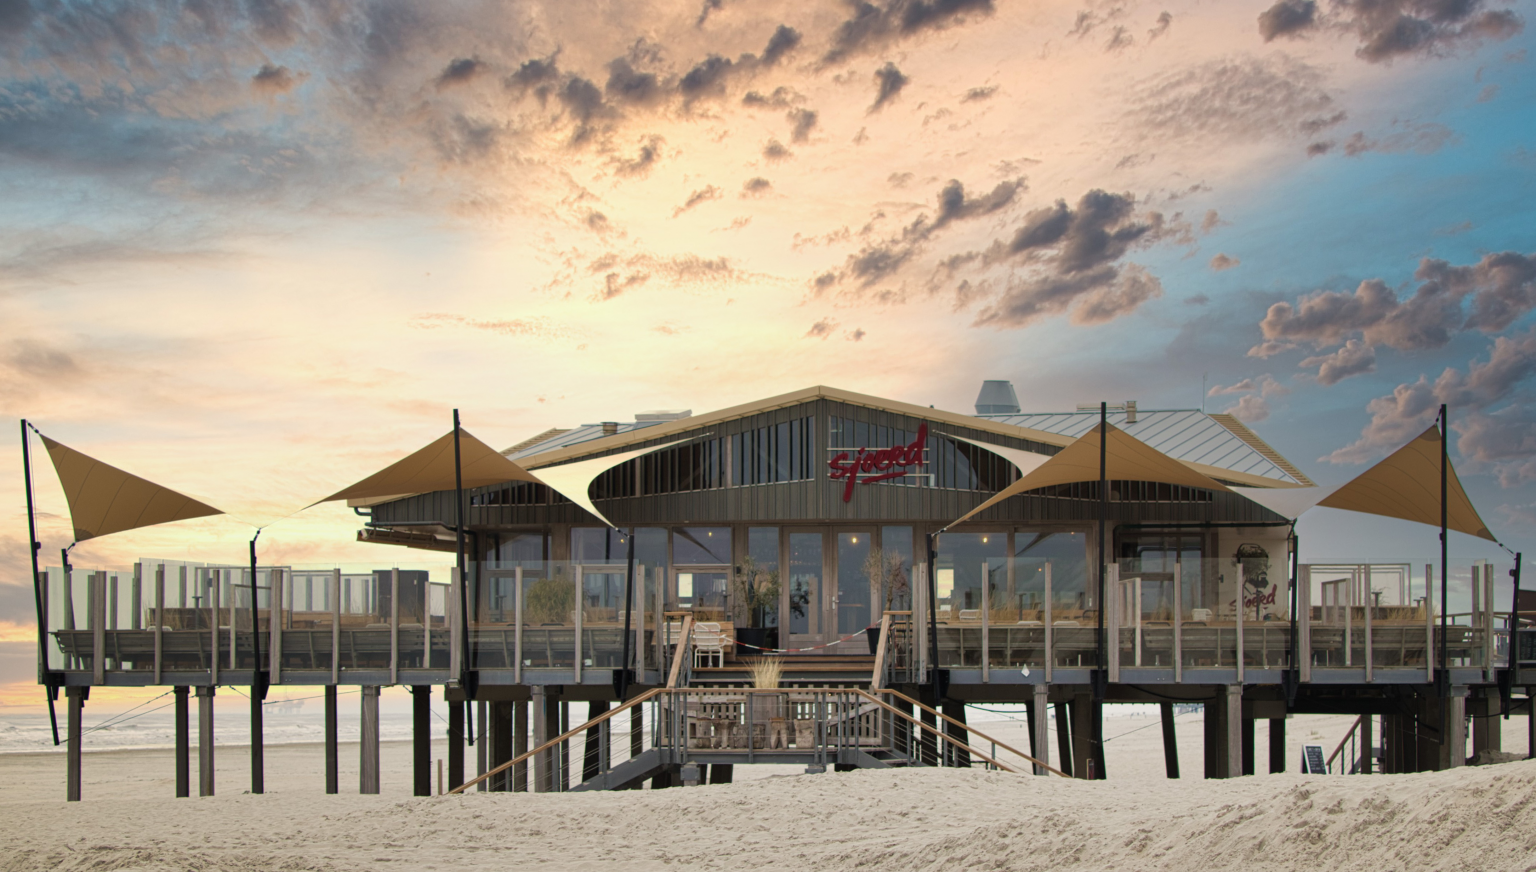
pixel 820 499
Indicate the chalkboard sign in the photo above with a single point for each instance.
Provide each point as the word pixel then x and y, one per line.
pixel 1312 762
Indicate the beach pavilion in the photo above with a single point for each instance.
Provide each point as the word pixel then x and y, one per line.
pixel 827 578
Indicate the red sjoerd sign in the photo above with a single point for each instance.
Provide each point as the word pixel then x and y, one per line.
pixel 867 467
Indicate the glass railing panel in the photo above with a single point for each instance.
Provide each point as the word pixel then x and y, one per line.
pixel 1016 617
pixel 1207 599
pixel 549 618
pixel 602 615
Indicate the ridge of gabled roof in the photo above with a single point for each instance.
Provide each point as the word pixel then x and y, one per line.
pixel 531 458
pixel 1252 440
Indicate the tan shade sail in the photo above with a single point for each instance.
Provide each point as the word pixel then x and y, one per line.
pixel 1126 459
pixel 1407 485
pixel 431 469
pixel 104 499
pixel 1024 461
pixel 573 480
pixel 1287 502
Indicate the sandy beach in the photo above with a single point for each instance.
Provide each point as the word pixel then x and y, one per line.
pixel 1472 818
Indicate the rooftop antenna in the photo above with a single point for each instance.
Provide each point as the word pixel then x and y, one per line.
pixel 1204 376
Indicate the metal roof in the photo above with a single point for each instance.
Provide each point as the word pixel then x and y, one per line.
pixel 564 438
pixel 1183 434
pixel 1188 435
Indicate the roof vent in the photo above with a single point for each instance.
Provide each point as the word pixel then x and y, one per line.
pixel 664 415
pixel 997 398
pixel 610 428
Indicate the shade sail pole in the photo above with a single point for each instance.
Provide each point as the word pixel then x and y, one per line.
pixel 1101 675
pixel 458 526
pixel 1445 680
pixel 44 675
pixel 622 684
pixel 940 686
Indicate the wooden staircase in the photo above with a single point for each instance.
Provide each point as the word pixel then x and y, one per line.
pixel 799 670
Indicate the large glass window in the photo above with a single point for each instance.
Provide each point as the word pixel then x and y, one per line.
pixel 1035 552
pixel 599 545
pixel 853 577
pixel 773 453
pixel 966 563
pixel 896 587
pixel 760 573
pixel 693 546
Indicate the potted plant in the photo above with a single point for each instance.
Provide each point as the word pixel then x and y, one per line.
pixel 754 597
pixel 887 570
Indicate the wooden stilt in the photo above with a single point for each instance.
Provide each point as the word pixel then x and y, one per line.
pixel 956 709
pixel 499 733
pixel 1248 749
pixel 205 741
pixel 1082 736
pixel 1276 745
pixel 1367 744
pixel 592 755
pixel 1170 741
pixel 482 749
pixel 456 711
pixel 543 775
pixel 1040 740
pixel 258 749
pixel 1064 736
pixel 1216 736
pixel 76 697
pixel 368 763
pixel 183 744
pixel 520 745
pixel 421 738
pixel 332 775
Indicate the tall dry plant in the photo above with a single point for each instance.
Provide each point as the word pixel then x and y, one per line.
pixel 766 672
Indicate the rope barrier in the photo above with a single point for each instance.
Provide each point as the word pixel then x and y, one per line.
pixel 854 635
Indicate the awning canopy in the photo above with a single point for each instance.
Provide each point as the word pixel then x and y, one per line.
pixel 431 469
pixel 1407 485
pixel 574 480
pixel 1126 459
pixel 104 499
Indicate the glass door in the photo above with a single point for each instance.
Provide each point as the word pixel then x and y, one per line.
pixel 851 600
pixel 803 609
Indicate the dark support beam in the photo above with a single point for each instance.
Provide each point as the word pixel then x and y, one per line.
pixel 332 777
pixel 258 746
pixel 561 727
pixel 421 739
pixel 205 741
pixel 1082 737
pixel 636 731
pixel 721 773
pixel 1170 740
pixel 958 756
pixel 592 760
pixel 1096 734
pixel 1367 744
pixel 456 743
pixel 1248 749
pixel 183 744
pixel 76 697
pixel 1276 745
pixel 1029 718
pixel 1216 743
pixel 520 746
pixel 1064 737
pixel 499 736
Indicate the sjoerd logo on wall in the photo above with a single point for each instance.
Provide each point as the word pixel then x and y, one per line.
pixel 868 467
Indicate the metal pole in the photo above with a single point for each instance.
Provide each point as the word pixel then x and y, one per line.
pixel 458 523
pixel 258 682
pixel 1445 679
pixel 44 675
pixel 933 619
pixel 622 684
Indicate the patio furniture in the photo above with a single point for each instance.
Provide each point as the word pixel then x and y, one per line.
pixel 708 642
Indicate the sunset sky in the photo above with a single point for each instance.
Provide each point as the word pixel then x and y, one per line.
pixel 256 250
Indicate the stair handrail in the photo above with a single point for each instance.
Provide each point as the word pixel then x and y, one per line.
pixel 951 739
pixel 1345 741
pixel 558 739
pixel 680 651
pixel 877 680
